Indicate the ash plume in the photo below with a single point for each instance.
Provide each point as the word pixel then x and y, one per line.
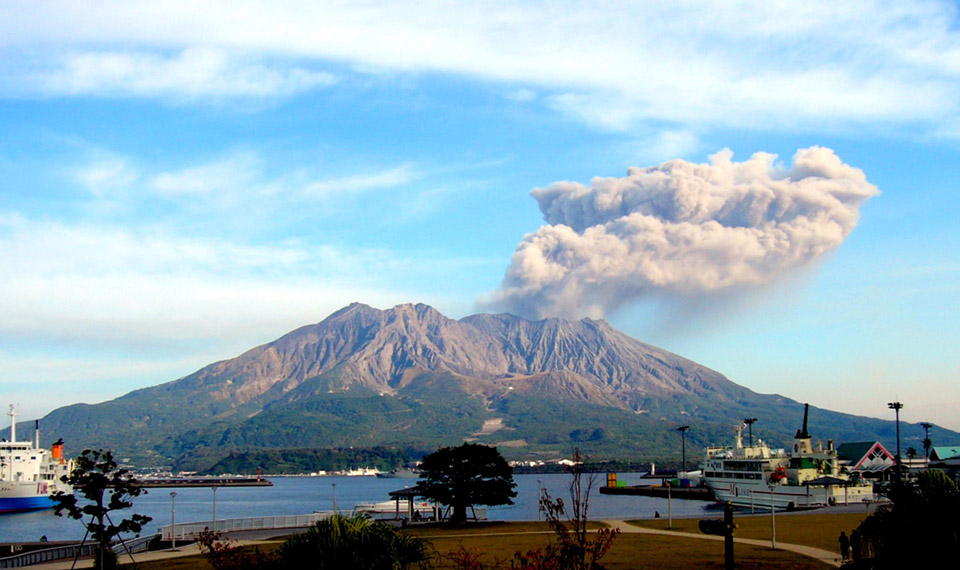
pixel 680 228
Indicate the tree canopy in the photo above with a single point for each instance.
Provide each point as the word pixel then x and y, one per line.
pixel 467 475
pixel 923 516
pixel 97 478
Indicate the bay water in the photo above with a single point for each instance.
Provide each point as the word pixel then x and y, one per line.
pixel 304 495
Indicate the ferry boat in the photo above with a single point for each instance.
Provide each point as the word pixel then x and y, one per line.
pixel 398 508
pixel 757 477
pixel 29 475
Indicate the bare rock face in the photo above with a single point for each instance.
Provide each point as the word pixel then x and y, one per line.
pixel 383 350
pixel 411 376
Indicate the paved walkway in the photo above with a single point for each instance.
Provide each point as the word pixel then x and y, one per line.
pixel 181 551
pixel 824 556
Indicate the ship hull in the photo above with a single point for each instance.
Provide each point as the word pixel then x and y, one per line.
pixel 16 498
pixel 787 497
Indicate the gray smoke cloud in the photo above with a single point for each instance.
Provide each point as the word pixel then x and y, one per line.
pixel 680 228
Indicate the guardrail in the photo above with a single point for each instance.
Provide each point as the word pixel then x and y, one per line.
pixel 192 530
pixel 47 555
pixel 69 551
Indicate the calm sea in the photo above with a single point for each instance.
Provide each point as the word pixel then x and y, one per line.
pixel 304 495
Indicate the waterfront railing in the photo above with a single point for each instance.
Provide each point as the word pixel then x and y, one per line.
pixel 193 530
pixel 69 551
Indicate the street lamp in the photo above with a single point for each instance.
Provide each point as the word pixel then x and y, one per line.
pixel 539 497
pixel 896 407
pixel 749 422
pixel 683 443
pixel 926 438
pixel 214 487
pixel 173 520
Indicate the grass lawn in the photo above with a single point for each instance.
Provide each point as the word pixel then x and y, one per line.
pixel 496 543
pixel 820 530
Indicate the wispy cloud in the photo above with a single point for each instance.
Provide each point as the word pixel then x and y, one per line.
pixel 240 186
pixel 758 63
pixel 130 286
pixel 106 175
pixel 192 73
pixel 362 182
pixel 232 174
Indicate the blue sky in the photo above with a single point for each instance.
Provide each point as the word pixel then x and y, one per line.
pixel 180 182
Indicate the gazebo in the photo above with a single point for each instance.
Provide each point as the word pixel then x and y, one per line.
pixel 409 494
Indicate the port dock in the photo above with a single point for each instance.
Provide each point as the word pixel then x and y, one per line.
pixel 171 482
pixel 692 493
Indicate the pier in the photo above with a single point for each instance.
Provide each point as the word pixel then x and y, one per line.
pixel 691 493
pixel 163 482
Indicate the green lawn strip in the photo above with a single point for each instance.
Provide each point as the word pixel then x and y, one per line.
pixel 629 551
pixel 491 528
pixel 817 530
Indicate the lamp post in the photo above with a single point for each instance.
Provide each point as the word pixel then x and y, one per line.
pixel 749 422
pixel 683 444
pixel 539 497
pixel 173 520
pixel 896 407
pixel 214 508
pixel 926 439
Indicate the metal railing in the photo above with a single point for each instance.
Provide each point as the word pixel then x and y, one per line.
pixel 69 551
pixel 192 530
pixel 47 555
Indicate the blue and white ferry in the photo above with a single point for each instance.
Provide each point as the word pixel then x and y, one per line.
pixel 29 475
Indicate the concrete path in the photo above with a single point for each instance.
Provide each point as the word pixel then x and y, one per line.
pixel 824 556
pixel 181 551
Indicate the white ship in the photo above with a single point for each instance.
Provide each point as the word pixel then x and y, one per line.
pixel 399 508
pixel 29 475
pixel 757 477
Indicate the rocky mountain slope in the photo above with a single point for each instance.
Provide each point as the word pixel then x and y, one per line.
pixel 409 376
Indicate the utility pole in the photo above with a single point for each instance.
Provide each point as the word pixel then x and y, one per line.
pixel 896 407
pixel 173 520
pixel 683 443
pixel 926 439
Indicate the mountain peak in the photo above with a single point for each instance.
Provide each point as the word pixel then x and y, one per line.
pixel 364 376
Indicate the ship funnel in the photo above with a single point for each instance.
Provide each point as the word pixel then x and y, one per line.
pixel 58 450
pixel 36 434
pixel 802 433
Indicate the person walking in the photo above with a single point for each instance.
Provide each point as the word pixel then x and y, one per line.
pixel 844 546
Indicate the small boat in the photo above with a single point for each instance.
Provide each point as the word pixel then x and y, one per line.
pixel 29 475
pixel 399 474
pixel 757 477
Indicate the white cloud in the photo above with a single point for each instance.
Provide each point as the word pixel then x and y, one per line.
pixel 667 144
pixel 522 95
pixel 239 186
pixel 391 178
pixel 231 174
pixel 762 64
pixel 107 176
pixel 192 73
pixel 84 282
